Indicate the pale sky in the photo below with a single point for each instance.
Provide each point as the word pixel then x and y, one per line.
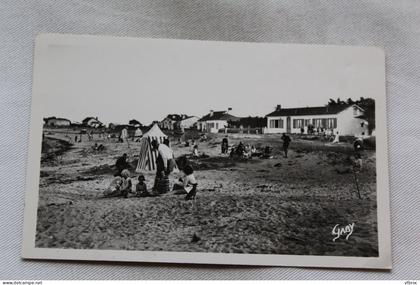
pixel 118 79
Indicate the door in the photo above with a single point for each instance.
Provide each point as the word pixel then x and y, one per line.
pixel 288 125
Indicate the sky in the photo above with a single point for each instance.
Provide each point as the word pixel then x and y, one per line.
pixel 118 79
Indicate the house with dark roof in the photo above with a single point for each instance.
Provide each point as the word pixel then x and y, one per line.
pixel 92 122
pixel 216 120
pixel 344 119
pixel 177 121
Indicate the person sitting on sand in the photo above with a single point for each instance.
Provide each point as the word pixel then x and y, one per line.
pixel 120 186
pixel 253 150
pixel 121 164
pixel 114 188
pixel 186 184
pixel 127 184
pixel 286 141
pixel 141 187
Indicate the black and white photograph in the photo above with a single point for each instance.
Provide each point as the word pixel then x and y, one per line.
pixel 207 152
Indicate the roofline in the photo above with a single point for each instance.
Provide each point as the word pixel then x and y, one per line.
pixel 352 105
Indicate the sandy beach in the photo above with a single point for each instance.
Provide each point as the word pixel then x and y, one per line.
pixel 267 206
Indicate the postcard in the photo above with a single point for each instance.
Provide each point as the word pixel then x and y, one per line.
pixel 207 152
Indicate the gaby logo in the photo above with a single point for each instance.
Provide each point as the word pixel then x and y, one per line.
pixel 339 231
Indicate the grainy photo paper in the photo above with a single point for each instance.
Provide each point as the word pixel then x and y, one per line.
pixel 208 152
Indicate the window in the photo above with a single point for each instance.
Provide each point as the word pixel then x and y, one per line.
pixel 330 123
pixel 355 111
pixel 276 124
pixel 298 123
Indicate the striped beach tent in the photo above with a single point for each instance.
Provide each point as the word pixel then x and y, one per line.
pixel 147 156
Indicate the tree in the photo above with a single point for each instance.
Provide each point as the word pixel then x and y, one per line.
pixel 134 122
pixel 368 104
pixel 332 102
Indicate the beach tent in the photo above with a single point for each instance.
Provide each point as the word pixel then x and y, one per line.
pixel 147 156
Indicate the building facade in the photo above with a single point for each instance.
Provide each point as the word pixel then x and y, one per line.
pixel 186 123
pixel 177 121
pixel 215 121
pixel 92 122
pixel 344 119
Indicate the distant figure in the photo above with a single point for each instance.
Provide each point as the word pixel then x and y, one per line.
pixel 225 145
pixel 141 187
pixel 267 152
pixel 336 138
pixel 75 138
pixel 90 135
pixel 286 141
pixel 195 151
pixel 253 150
pixel 358 144
pixel 302 130
pixel 240 150
pixel 121 164
pixel 98 147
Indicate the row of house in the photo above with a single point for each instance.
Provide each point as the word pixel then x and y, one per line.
pixel 91 122
pixel 345 119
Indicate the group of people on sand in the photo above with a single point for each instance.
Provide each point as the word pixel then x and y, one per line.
pixel 122 185
pixel 248 151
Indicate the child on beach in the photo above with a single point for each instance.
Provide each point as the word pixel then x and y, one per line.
pixel 114 188
pixel 187 184
pixel 141 187
pixel 127 184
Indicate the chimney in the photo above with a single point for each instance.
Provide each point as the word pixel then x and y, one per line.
pixel 278 107
pixel 228 110
pixel 211 113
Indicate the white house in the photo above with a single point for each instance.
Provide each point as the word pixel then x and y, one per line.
pixel 215 120
pixel 173 121
pixel 344 119
pixel 186 122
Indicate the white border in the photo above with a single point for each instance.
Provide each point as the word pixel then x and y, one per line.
pixel 33 171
